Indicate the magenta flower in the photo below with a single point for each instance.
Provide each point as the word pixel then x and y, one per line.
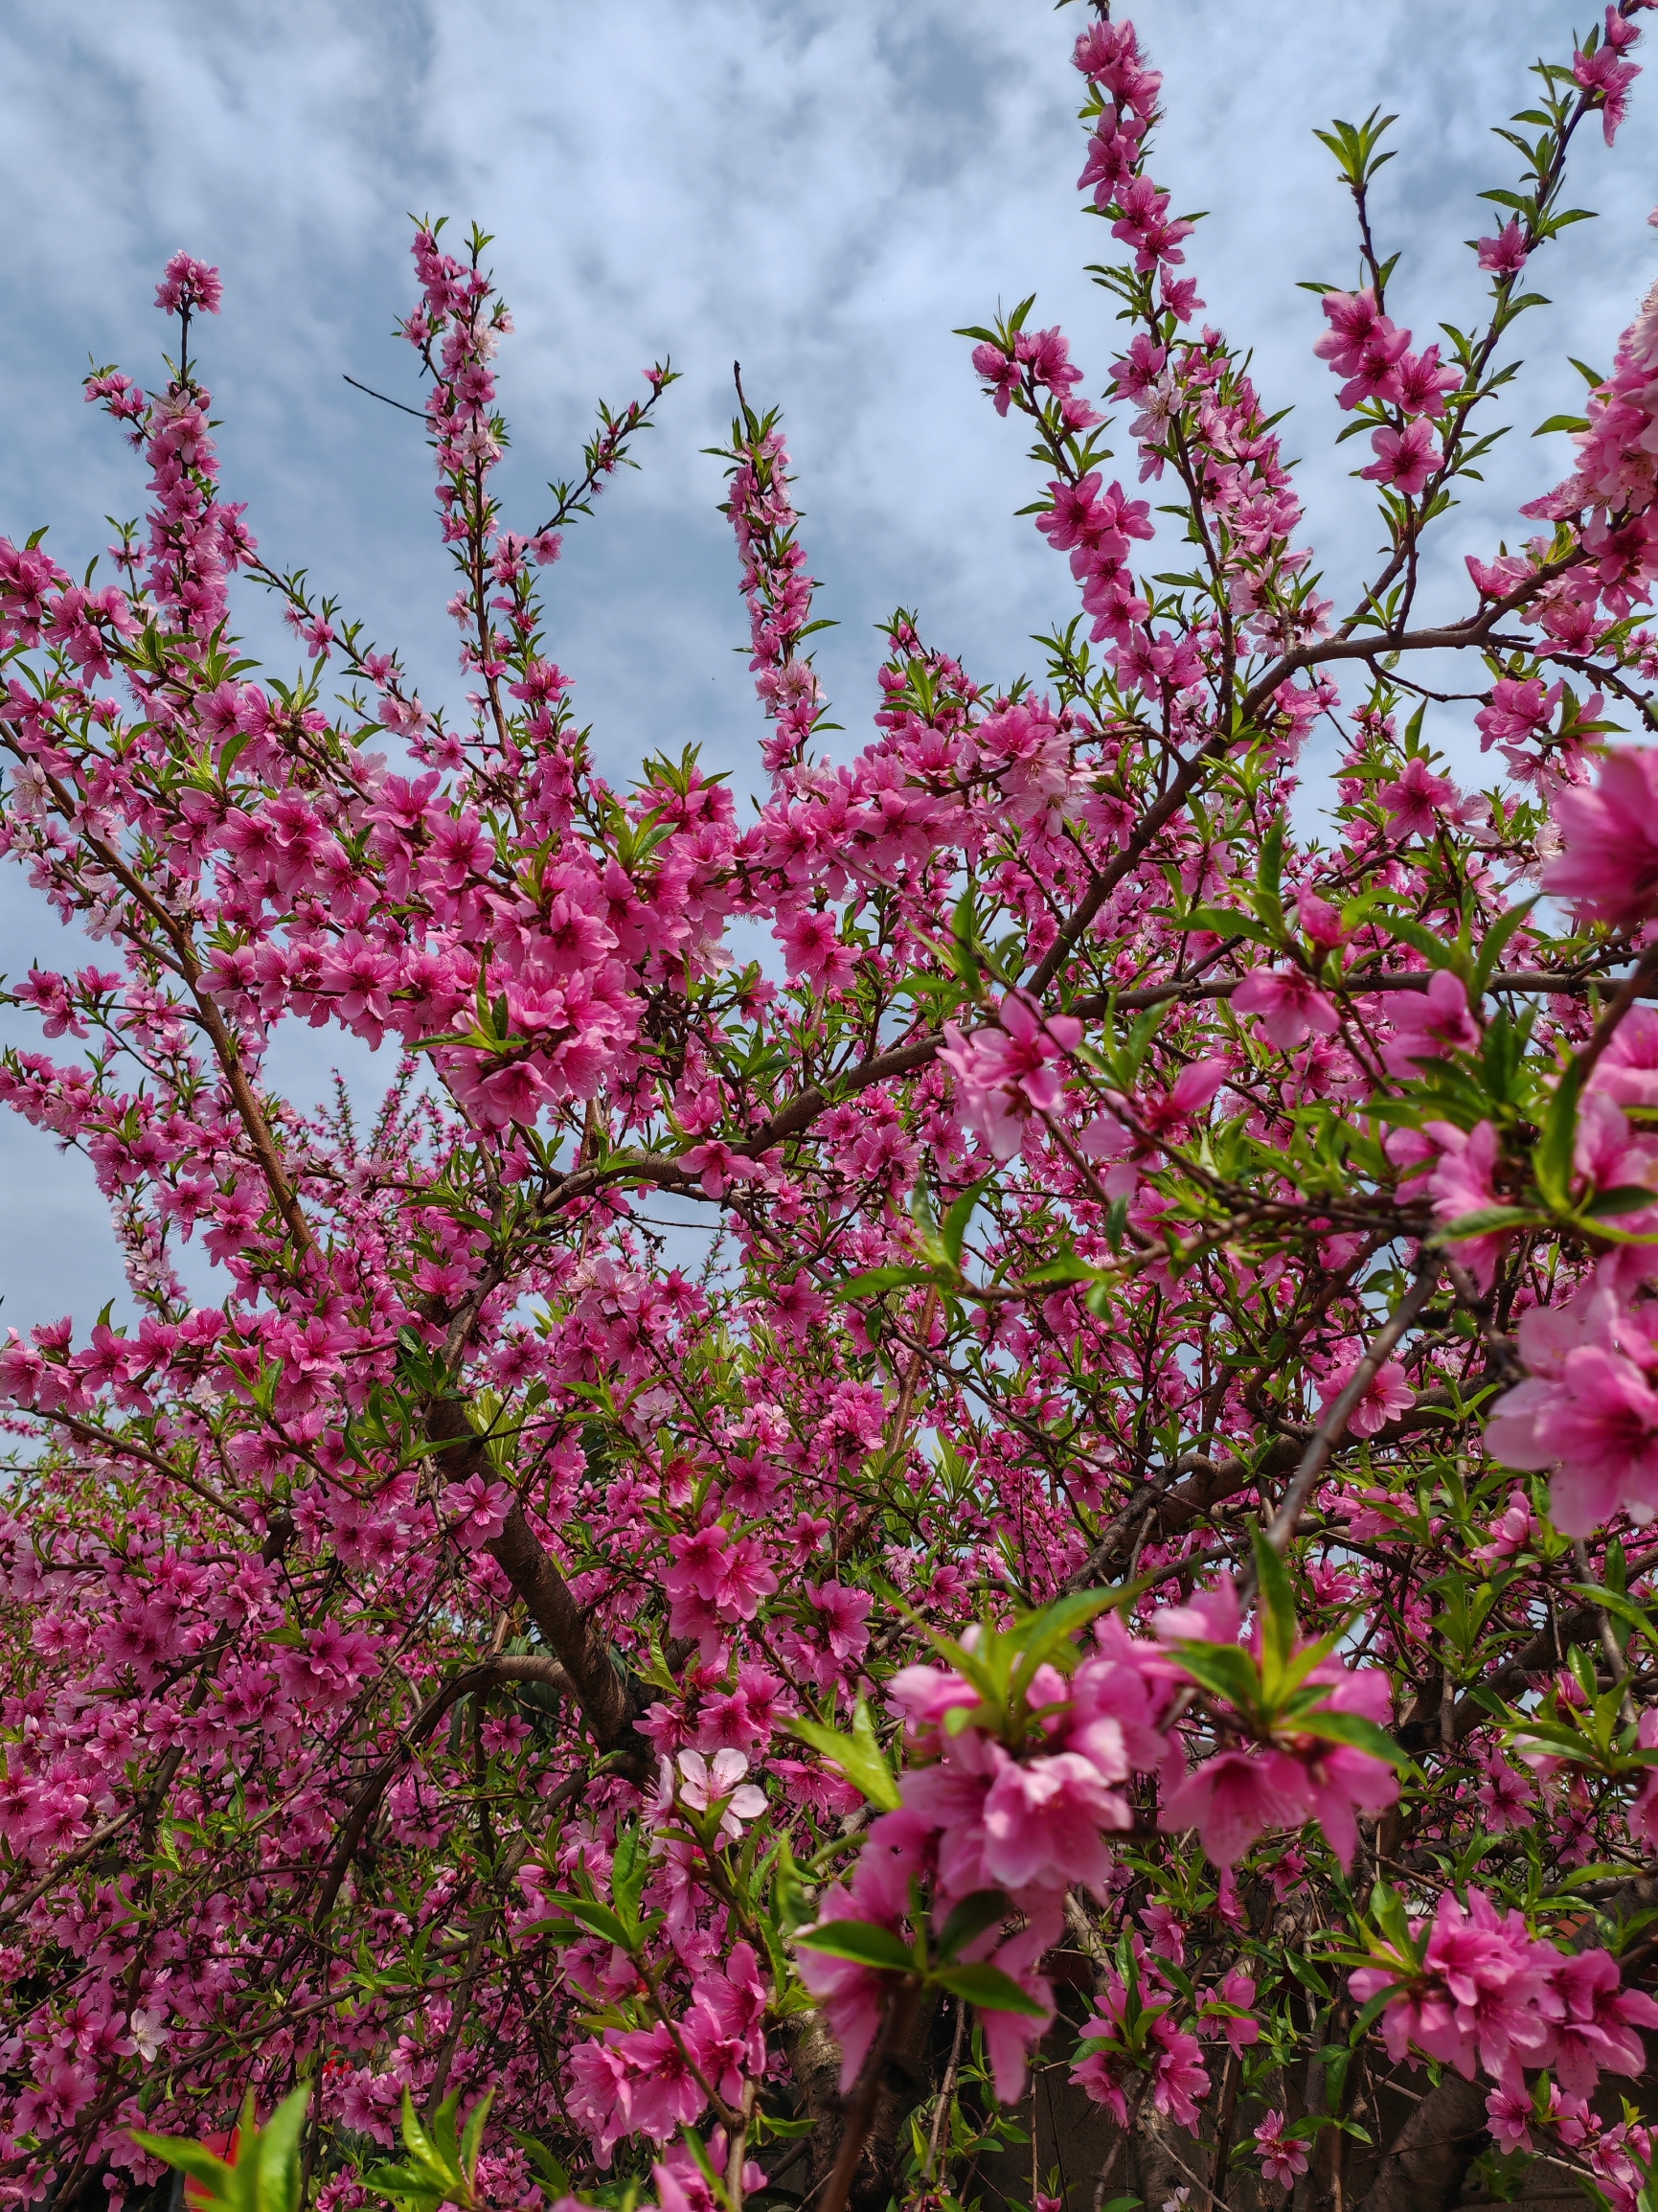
pixel 1233 1798
pixel 1043 1821
pixel 1595 1428
pixel 1505 254
pixel 854 1996
pixel 1283 2158
pixel 1486 1995
pixel 1601 2030
pixel 1386 1395
pixel 1287 1004
pixel 1511 2111
pixel 477 1510
pixel 1237 1992
pixel 1354 322
pixel 1404 459
pixel 1005 1073
pixel 1605 75
pixel 188 285
pixel 844 1613
pixel 1415 796
pixel 1426 382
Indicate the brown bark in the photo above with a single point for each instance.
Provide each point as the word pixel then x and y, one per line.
pixel 598 1689
pixel 1423 2169
pixel 896 2087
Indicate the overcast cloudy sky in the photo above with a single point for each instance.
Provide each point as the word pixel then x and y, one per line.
pixel 823 192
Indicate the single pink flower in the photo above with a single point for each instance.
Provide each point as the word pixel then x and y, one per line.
pixel 1415 796
pixel 1283 2158
pixel 1404 459
pixel 1608 862
pixel 1233 1798
pixel 1043 1823
pixel 1287 1004
pixel 1386 1395
pixel 1505 254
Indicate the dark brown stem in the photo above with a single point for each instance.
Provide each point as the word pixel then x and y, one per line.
pixel 894 2029
pixel 1333 1427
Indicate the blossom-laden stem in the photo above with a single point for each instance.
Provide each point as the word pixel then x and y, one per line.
pixel 1107 1086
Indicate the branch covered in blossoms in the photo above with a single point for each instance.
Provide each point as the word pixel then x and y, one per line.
pixel 1116 1554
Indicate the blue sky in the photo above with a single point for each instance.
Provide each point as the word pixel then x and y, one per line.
pixel 823 192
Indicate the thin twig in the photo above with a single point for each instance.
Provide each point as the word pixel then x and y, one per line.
pixel 947 2091
pixel 1333 1427
pixel 418 413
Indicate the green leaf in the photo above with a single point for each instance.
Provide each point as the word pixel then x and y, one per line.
pixel 1387 1910
pixel 990 1989
pixel 860 1940
pixel 1227 1671
pixel 1615 1603
pixel 1040 1637
pixel 1485 1222
pixel 1561 423
pixel 1552 1160
pixel 265 2177
pixel 983 1908
pixel 1227 921
pixel 953 1228
pixel 858 1756
pixel 1267 897
pixel 473 2135
pixel 190 2158
pixel 594 1916
pixel 628 1872
pixel 1620 1198
pixel 1277 1605
pixel 1353 1728
pixel 1069 1268
pixel 874 1282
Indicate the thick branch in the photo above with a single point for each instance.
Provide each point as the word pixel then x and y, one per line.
pixel 605 1702
pixel 1432 2151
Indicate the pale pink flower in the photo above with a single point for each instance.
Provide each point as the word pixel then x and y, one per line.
pixel 1608 862
pixel 705 1783
pixel 1628 1070
pixel 1595 1424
